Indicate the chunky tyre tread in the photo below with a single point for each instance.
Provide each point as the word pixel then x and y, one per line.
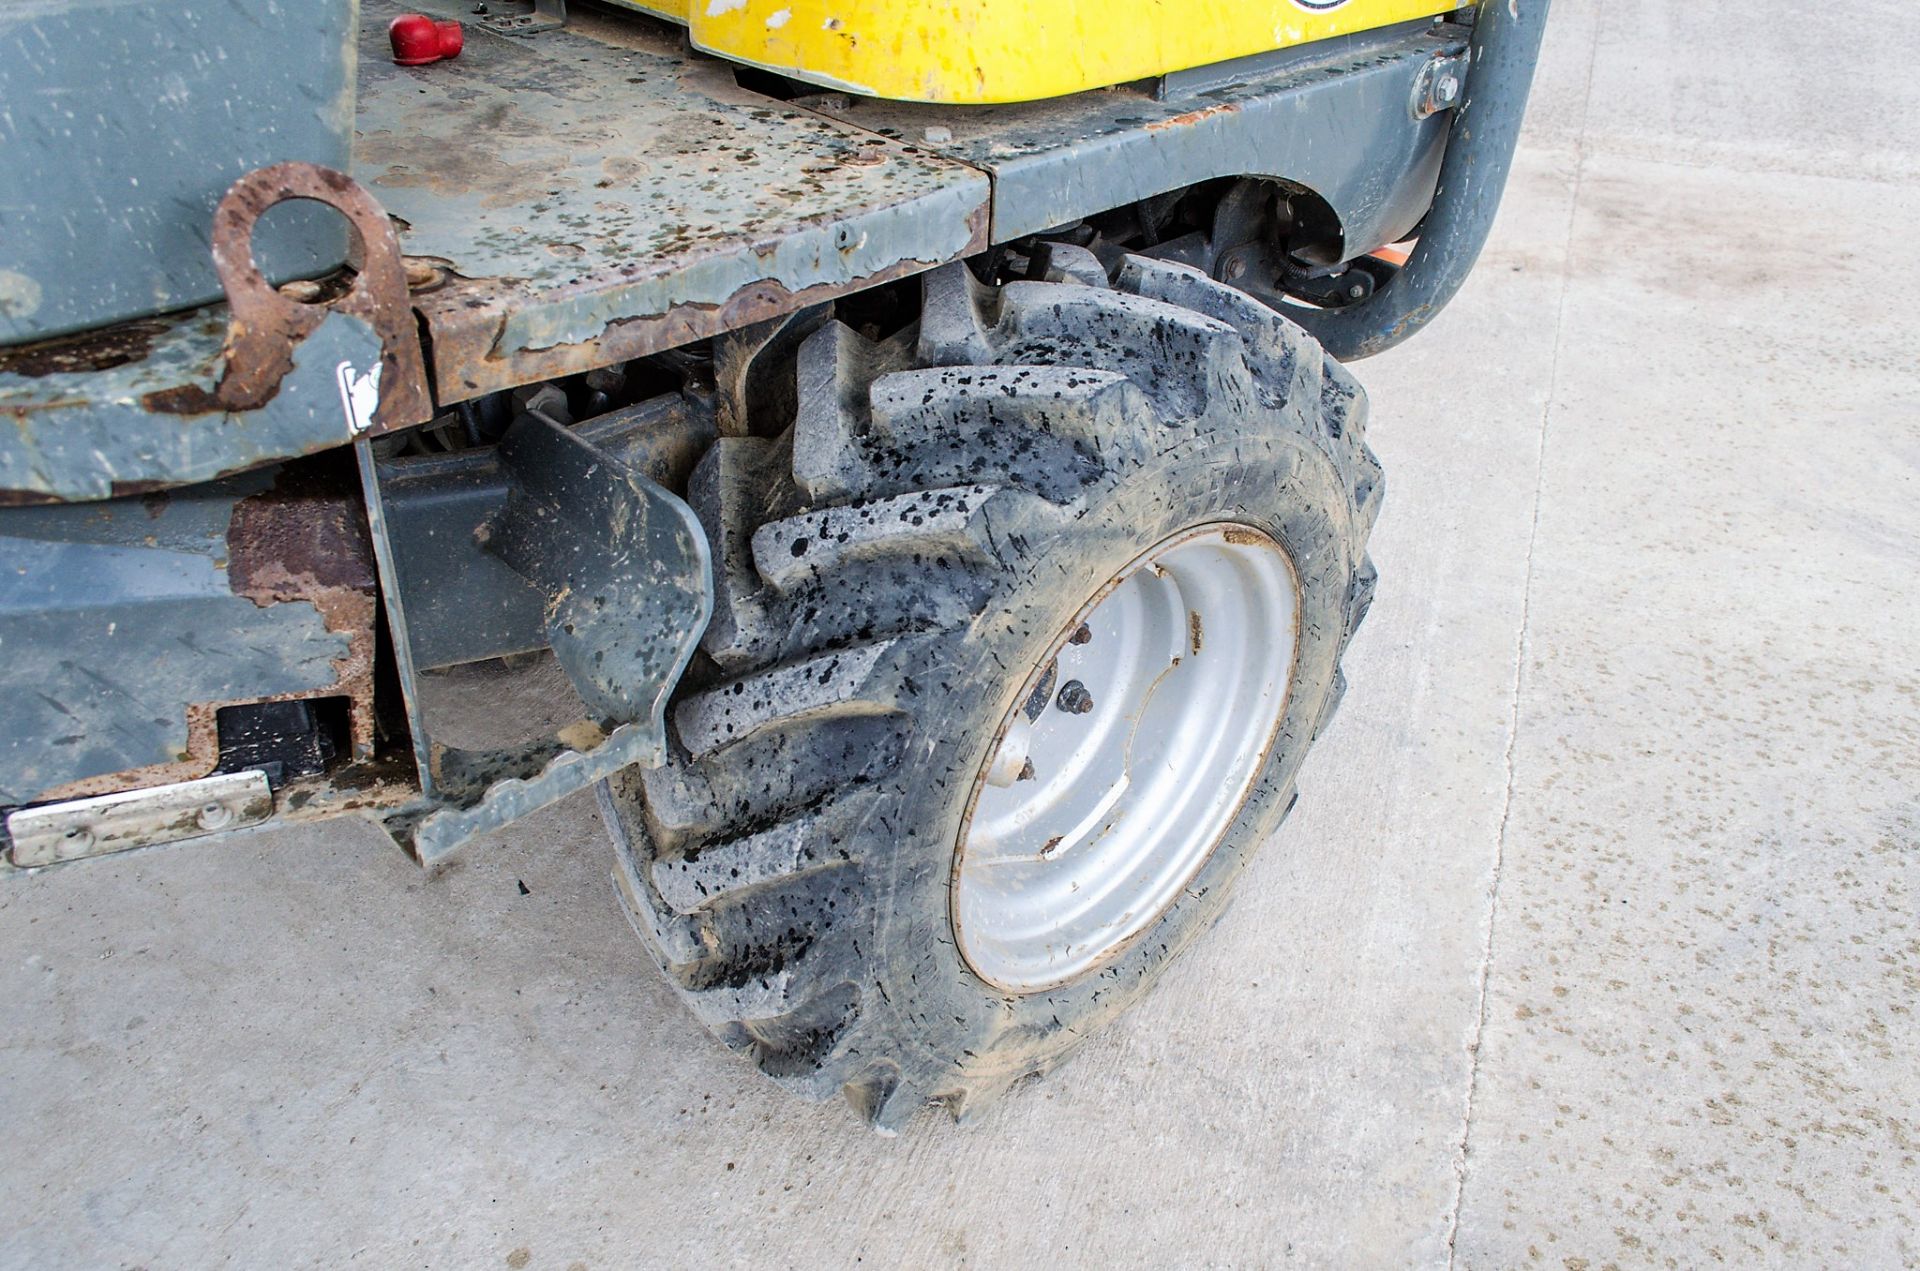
pixel 927 525
pixel 725 871
pixel 908 466
pixel 832 685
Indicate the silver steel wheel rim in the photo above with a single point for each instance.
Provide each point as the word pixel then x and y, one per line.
pixel 1126 757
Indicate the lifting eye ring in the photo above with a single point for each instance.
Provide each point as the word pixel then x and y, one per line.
pixel 265 326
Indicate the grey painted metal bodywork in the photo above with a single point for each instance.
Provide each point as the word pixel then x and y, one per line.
pixel 591 196
pixel 614 553
pixel 1504 51
pixel 115 617
pixel 122 124
pixel 463 602
pixel 81 433
pixel 1336 119
pixel 626 579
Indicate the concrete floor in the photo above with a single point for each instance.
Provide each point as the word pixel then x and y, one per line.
pixel 1591 942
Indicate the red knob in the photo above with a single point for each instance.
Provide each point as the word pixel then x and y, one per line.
pixel 415 39
pixel 451 40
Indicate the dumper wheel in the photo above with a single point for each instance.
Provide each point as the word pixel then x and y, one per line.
pixel 1023 629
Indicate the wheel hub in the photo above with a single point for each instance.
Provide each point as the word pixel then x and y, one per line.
pixel 1126 757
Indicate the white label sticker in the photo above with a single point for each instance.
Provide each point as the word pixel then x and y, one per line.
pixel 359 395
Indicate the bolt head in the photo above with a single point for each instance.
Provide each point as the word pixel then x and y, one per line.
pixel 213 816
pixel 1074 698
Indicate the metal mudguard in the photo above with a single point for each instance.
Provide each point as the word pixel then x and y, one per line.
pixel 591 195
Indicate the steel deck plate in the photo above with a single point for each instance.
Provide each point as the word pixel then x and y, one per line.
pixel 600 193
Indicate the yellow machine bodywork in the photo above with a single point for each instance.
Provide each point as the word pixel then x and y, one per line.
pixel 979 51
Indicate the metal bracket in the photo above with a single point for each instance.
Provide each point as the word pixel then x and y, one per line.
pixel 1441 85
pixel 265 326
pixel 81 828
pixel 627 576
pixel 546 15
pixel 444 832
pixel 615 554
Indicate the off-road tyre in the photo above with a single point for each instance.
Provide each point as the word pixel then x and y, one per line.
pixel 889 571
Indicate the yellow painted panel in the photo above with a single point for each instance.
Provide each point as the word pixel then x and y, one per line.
pixel 1012 50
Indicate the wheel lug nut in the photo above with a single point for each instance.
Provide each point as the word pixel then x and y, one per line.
pixel 1074 698
pixel 1081 635
pixel 1010 761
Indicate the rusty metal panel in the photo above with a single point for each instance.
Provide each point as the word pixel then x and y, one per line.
pixel 105 413
pixel 126 624
pixel 597 194
pixel 171 400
